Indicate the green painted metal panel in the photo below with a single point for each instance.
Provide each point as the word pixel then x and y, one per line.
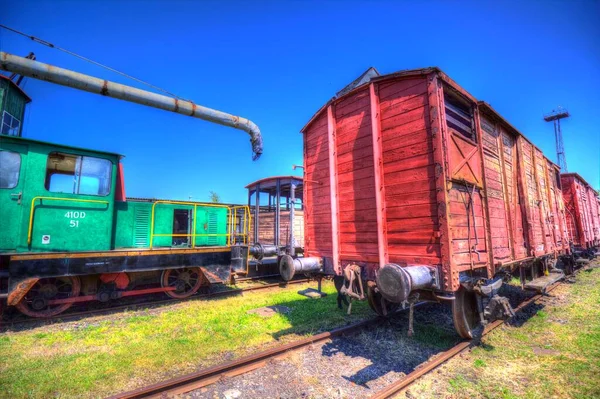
pixel 211 221
pixel 60 221
pixel 68 222
pixel 11 204
pixel 134 219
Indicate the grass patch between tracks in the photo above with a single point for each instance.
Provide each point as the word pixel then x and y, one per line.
pixel 552 351
pixel 96 357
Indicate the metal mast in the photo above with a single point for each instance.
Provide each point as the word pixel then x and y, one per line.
pixel 555 116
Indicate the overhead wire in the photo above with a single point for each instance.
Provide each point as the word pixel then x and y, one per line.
pixel 51 45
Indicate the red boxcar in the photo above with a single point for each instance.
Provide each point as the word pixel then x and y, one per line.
pixel 583 218
pixel 414 185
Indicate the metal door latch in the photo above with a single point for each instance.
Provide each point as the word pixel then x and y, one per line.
pixel 18 196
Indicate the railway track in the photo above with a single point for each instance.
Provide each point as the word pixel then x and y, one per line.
pixel 209 376
pixel 5 325
pixel 425 368
pixel 190 382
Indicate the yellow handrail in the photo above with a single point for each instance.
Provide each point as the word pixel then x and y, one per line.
pixel 230 210
pixel 32 210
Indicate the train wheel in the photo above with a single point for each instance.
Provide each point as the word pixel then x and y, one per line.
pixel 187 281
pixel 377 303
pixel 35 302
pixel 465 314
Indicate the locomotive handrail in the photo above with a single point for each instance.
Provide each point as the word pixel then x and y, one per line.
pixel 194 235
pixel 246 226
pixel 32 209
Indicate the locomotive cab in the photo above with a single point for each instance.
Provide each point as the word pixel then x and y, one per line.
pixel 55 198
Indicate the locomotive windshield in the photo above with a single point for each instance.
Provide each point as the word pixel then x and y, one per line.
pixel 75 174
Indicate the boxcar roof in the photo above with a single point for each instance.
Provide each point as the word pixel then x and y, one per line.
pixel 23 139
pixel 578 176
pixel 371 75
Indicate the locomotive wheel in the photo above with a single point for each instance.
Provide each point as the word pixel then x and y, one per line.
pixel 187 281
pixel 375 302
pixel 35 302
pixel 465 314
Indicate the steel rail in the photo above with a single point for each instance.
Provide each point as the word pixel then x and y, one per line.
pixel 96 312
pixel 403 383
pixel 211 375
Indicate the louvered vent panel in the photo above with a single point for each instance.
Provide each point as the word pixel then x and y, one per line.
pixel 459 118
pixel 141 225
pixel 212 228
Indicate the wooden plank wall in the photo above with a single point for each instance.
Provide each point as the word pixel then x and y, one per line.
pixel 594 215
pixel 531 196
pixel 497 189
pixel 409 173
pixel 519 236
pixel 557 214
pixel 569 198
pixel 266 228
pixel 317 205
pixel 356 187
pixel 544 201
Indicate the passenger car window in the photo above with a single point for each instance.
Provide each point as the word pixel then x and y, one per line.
pixel 75 174
pixel 10 167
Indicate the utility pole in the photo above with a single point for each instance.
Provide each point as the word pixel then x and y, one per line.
pixel 555 116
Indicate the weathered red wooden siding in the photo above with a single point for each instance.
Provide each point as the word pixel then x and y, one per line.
pixel 568 190
pixel 356 189
pixel 582 211
pixel 594 215
pixel 523 193
pixel 520 241
pixel 498 191
pixel 317 206
pixel 409 173
pixel 537 238
pixel 467 215
pixel 556 217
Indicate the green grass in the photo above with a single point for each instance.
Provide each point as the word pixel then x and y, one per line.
pixel 119 353
pixel 554 354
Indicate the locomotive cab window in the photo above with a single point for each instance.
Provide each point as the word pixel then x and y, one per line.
pixel 459 116
pixel 10 167
pixel 76 174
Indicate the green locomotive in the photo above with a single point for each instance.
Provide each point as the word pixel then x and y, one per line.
pixel 68 233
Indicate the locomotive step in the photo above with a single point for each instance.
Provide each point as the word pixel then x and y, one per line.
pixel 541 283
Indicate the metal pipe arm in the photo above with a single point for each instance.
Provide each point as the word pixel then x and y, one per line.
pixel 65 77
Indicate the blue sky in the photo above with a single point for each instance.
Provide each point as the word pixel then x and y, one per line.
pixel 276 63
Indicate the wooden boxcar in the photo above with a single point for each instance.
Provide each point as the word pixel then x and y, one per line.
pixel 414 185
pixel 583 219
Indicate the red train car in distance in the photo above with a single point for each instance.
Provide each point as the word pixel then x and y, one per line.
pixel 418 190
pixel 583 213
